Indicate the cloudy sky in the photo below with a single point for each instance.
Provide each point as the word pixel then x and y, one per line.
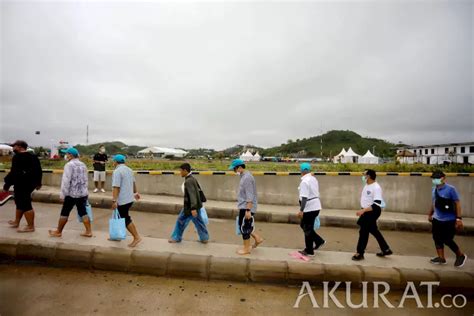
pixel 215 74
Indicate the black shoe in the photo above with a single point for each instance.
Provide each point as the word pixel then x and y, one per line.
pixel 304 253
pixel 357 257
pixel 460 261
pixel 385 253
pixel 438 260
pixel 320 245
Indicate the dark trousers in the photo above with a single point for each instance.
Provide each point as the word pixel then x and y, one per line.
pixel 69 203
pixel 310 235
pixel 368 225
pixel 443 234
pixel 124 212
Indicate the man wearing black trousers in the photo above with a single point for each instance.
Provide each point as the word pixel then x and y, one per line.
pixel 310 206
pixel 370 202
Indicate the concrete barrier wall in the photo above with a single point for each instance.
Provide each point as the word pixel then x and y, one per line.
pixel 404 194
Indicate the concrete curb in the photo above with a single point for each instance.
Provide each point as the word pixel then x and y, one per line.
pixel 208 267
pixel 333 220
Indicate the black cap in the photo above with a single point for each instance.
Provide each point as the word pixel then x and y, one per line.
pixel 20 143
pixel 438 174
pixel 186 166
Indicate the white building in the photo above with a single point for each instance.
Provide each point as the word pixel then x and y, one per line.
pixel 161 152
pixel 438 154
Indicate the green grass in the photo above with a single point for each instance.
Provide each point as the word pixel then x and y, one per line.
pixel 222 165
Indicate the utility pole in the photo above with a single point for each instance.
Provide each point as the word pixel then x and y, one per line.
pixel 321 139
pixel 87 135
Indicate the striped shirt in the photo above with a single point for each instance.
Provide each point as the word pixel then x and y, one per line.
pixel 247 192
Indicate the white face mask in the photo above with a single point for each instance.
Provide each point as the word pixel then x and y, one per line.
pixel 182 187
pixel 238 173
pixel 65 158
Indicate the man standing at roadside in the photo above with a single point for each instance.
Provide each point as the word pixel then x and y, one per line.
pixel 247 206
pixel 310 206
pixel 100 159
pixel 74 192
pixel 445 215
pixel 124 192
pixel 25 175
pixel 370 202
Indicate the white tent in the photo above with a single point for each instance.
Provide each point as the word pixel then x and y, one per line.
pixel 350 156
pixel 247 156
pixel 257 157
pixel 338 157
pixel 369 158
pixel 162 152
pixel 5 150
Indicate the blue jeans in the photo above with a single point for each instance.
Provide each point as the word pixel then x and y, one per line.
pixel 183 221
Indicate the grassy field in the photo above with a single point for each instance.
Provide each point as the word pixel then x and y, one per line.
pixel 222 165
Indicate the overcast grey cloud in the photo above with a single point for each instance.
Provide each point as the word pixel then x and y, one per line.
pixel 214 74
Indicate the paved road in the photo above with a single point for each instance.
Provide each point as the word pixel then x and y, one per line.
pixel 222 231
pixel 38 290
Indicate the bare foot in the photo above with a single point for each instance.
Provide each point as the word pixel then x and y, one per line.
pixel 258 242
pixel 54 233
pixel 243 251
pixel 86 234
pixel 26 229
pixel 13 224
pixel 135 242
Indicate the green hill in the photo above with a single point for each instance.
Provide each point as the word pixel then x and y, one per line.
pixel 332 144
pixel 111 148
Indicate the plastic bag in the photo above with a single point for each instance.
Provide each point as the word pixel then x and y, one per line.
pixel 89 213
pixel 203 215
pixel 117 229
pixel 317 223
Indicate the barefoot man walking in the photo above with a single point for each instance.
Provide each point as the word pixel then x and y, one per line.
pixel 25 175
pixel 124 191
pixel 74 192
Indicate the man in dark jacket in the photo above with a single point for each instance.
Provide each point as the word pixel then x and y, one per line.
pixel 191 208
pixel 25 175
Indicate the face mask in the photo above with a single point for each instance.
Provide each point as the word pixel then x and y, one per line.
pixel 238 173
pixel 182 187
pixel 65 158
pixel 15 151
pixel 364 179
pixel 437 181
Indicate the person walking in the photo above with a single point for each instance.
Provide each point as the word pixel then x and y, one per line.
pixel 370 202
pixel 191 210
pixel 25 176
pixel 445 216
pixel 100 160
pixel 310 206
pixel 124 192
pixel 74 192
pixel 247 206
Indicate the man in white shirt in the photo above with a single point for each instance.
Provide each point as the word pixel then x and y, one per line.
pixel 310 205
pixel 370 202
